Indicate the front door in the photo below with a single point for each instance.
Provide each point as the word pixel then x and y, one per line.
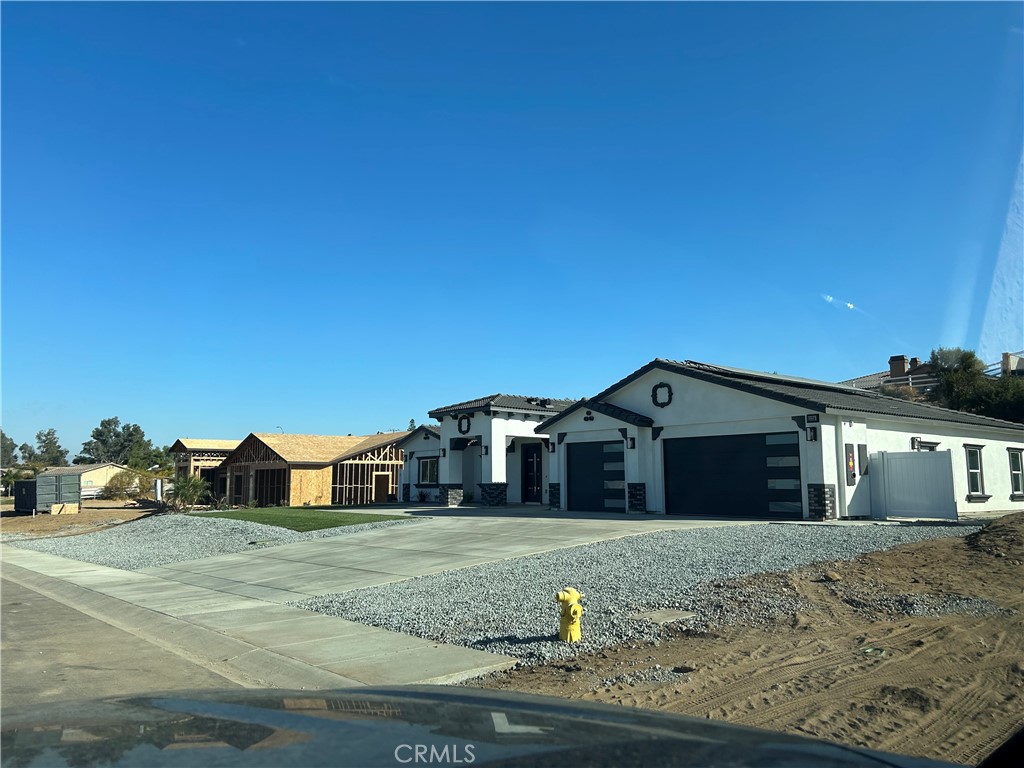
pixel 533 474
pixel 381 487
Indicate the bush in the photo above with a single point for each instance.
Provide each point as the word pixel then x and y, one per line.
pixel 126 484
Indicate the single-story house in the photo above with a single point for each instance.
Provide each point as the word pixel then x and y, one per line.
pixel 203 457
pixel 690 438
pixel 490 451
pixel 367 472
pixel 421 450
pixel 901 373
pixel 272 469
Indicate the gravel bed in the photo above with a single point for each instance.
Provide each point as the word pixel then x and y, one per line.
pixel 874 603
pixel 165 539
pixel 508 607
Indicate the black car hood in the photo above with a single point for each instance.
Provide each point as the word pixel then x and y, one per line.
pixel 414 726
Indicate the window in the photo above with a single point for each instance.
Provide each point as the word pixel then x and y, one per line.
pixel 428 471
pixel 1016 473
pixel 975 475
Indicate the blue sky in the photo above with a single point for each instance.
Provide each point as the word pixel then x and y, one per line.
pixel 329 218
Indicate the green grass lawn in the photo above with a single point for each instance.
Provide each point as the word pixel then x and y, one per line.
pixel 299 518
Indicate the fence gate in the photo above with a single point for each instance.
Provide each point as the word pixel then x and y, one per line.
pixel 913 484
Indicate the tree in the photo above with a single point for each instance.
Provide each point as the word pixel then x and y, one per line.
pixel 412 424
pixel 50 451
pixel 963 386
pixel 27 452
pixel 8 451
pixel 119 444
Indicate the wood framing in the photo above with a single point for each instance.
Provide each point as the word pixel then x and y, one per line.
pixel 203 457
pixel 268 469
pixel 356 478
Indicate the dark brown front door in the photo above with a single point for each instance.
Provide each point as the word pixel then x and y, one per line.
pixel 381 487
pixel 533 474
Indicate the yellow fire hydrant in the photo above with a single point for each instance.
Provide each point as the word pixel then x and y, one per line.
pixel 571 611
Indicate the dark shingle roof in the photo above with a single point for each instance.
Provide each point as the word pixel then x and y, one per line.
pixel 505 402
pixel 820 396
pixel 622 414
pixel 422 431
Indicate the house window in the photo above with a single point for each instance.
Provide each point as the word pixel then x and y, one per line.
pixel 428 471
pixel 1016 473
pixel 975 474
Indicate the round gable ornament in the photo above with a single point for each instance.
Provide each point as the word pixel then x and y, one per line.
pixel 463 424
pixel 661 394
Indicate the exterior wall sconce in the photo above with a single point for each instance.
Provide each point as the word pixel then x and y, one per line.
pixel 484 450
pixel 444 452
pixel 551 447
pixel 812 434
pixel 631 442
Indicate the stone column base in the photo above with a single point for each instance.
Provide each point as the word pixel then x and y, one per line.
pixel 555 495
pixel 493 494
pixel 450 494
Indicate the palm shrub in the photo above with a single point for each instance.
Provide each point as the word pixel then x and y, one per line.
pixel 187 492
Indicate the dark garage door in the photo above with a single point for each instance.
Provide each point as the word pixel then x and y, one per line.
pixel 596 477
pixel 734 475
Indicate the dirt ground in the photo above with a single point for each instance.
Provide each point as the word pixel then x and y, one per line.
pixel 853 667
pixel 97 514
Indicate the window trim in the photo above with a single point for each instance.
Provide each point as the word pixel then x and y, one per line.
pixel 422 462
pixel 980 494
pixel 1018 494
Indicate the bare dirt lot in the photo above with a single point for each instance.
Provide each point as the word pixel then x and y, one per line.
pixel 96 515
pixel 860 665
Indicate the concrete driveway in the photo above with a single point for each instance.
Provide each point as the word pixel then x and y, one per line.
pixel 439 543
pixel 226 614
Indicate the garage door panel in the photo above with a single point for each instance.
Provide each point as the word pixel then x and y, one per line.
pixel 596 477
pixel 754 475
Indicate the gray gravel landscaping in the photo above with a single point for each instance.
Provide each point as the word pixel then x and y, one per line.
pixel 508 607
pixel 164 539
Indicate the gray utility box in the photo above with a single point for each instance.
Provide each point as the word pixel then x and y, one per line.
pixel 45 491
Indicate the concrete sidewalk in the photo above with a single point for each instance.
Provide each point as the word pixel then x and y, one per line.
pixel 226 612
pixel 248 641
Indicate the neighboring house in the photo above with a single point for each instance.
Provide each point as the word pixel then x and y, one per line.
pixel 689 438
pixel 921 375
pixel 422 452
pixel 271 469
pixel 92 478
pixel 490 451
pixel 902 373
pixel 367 472
pixel 203 457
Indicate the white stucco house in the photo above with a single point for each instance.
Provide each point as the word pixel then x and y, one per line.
pixel 689 438
pixel 487 450
pixel 417 479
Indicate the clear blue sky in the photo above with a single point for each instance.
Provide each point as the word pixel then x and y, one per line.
pixel 227 217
